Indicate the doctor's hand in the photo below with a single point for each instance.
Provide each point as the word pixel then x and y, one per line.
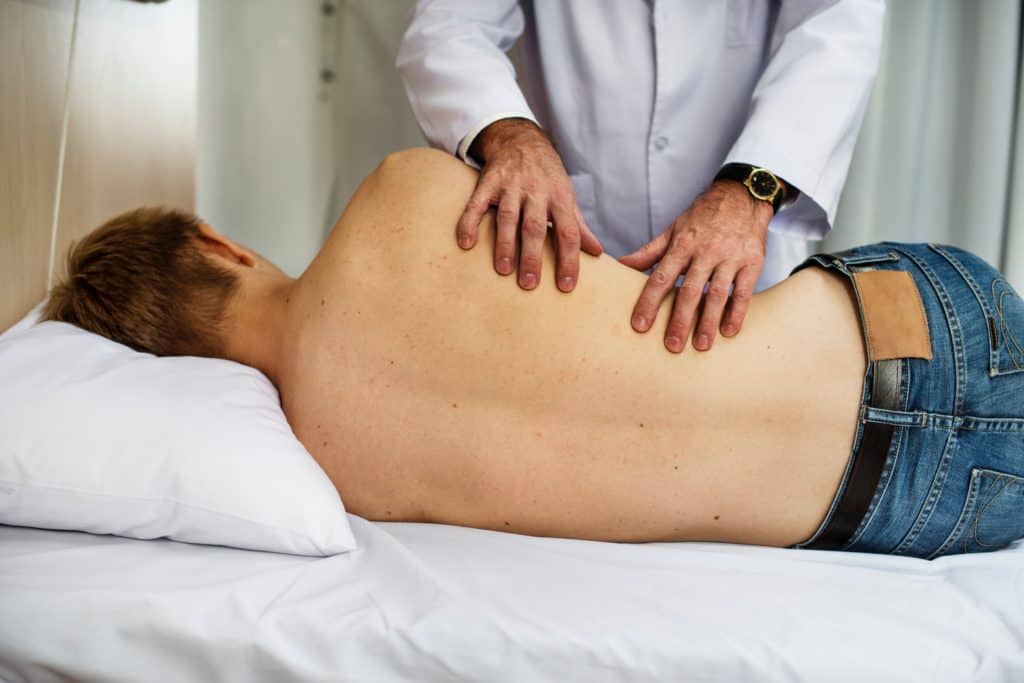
pixel 524 177
pixel 720 242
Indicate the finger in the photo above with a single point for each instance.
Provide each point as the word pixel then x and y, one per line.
pixel 588 240
pixel 505 237
pixel 714 304
pixel 478 204
pixel 658 285
pixel 649 254
pixel 567 243
pixel 684 310
pixel 535 227
pixel 739 302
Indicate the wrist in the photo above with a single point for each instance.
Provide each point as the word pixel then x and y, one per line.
pixel 763 210
pixel 500 134
pixel 760 182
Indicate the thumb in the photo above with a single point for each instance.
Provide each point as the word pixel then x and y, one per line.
pixel 649 254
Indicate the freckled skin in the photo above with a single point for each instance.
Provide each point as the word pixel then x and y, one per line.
pixel 451 395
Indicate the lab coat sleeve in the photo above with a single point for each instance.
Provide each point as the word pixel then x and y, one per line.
pixel 455 71
pixel 809 103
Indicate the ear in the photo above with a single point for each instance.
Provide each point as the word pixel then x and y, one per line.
pixel 215 244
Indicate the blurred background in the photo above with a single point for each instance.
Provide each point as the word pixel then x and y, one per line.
pixel 280 107
pixel 281 148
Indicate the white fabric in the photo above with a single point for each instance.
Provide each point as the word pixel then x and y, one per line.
pixel 97 437
pixel 1013 244
pixel 645 100
pixel 937 160
pixel 423 602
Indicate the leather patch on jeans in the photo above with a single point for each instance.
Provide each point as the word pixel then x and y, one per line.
pixel 894 317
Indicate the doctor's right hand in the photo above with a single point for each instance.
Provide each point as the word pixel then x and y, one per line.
pixel 524 177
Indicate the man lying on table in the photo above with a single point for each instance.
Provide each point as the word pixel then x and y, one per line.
pixel 859 409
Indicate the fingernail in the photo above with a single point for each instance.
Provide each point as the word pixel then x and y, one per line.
pixel 464 241
pixel 702 341
pixel 567 283
pixel 728 330
pixel 529 280
pixel 639 322
pixel 673 343
pixel 504 265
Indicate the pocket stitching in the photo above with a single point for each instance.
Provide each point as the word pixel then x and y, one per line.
pixel 986 309
pixel 969 280
pixel 965 512
pixel 970 510
pixel 1004 330
pixel 977 517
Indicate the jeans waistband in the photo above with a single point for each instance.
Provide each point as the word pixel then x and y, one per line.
pixel 866 462
pixel 882 389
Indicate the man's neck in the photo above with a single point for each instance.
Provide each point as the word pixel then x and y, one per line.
pixel 259 324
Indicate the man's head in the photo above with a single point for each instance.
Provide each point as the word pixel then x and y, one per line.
pixel 153 279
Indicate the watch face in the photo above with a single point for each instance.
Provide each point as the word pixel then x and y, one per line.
pixel 763 183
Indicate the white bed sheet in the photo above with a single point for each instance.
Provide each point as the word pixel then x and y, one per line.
pixel 424 602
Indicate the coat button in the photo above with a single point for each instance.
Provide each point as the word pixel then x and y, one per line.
pixel 660 143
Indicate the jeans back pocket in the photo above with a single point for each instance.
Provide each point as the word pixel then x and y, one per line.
pixel 992 516
pixel 1006 329
pixel 1001 305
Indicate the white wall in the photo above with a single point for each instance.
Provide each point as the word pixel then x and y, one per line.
pixel 280 150
pixel 264 161
pixel 373 116
pixel 97 116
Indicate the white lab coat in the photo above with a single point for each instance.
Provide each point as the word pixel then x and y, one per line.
pixel 646 99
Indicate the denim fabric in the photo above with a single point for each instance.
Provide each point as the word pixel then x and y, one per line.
pixel 953 481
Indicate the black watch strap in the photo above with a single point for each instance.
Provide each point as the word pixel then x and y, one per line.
pixel 741 173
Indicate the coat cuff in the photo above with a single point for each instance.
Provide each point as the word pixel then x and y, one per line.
pixel 808 216
pixel 462 151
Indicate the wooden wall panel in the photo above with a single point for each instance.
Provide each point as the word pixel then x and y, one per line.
pixel 132 126
pixel 35 36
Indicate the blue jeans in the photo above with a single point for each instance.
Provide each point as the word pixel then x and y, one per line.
pixel 953 479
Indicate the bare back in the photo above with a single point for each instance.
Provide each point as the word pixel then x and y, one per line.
pixel 430 388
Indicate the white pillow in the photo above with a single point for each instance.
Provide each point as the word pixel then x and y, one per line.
pixel 97 437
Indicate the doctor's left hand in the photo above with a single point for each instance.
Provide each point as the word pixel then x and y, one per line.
pixel 719 242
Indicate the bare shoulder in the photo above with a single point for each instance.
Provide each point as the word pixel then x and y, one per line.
pixel 418 157
pixel 424 167
pixel 415 183
pixel 413 195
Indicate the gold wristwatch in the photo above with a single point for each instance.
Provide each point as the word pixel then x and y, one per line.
pixel 760 182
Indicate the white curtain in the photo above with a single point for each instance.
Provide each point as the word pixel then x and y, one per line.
pixel 1013 255
pixel 941 140
pixel 940 157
